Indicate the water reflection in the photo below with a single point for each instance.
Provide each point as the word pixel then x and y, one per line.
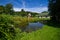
pixel 34 26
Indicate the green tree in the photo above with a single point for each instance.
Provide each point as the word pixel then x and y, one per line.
pixel 52 9
pixel 23 13
pixel 9 8
pixel 58 10
pixel 1 9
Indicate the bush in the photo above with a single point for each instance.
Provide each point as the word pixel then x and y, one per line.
pixel 9 26
pixel 7 30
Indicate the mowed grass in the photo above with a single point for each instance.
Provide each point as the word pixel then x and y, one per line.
pixel 46 33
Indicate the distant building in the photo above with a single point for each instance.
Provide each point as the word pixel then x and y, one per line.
pixel 29 15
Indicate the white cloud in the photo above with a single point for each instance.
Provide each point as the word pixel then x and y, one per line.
pixel 36 9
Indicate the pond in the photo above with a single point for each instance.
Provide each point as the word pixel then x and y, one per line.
pixel 33 27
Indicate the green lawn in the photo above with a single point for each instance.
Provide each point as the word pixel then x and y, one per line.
pixel 46 33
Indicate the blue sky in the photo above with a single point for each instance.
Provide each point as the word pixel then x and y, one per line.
pixel 27 5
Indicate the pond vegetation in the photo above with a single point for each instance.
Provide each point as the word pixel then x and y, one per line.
pixel 9 32
pixel 13 24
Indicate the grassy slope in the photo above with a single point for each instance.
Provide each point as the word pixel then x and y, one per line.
pixel 47 33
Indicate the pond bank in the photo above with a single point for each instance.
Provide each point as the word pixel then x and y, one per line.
pixel 33 27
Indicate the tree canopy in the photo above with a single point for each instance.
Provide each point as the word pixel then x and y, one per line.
pixel 7 9
pixel 54 10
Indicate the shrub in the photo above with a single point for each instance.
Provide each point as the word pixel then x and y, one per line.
pixel 7 31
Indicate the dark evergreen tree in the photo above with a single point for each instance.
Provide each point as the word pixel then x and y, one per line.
pixel 23 13
pixel 54 7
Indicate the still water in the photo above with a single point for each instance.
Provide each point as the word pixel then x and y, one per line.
pixel 34 26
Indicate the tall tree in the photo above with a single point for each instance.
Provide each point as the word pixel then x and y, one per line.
pixel 58 10
pixel 23 13
pixel 54 7
pixel 9 8
pixel 1 9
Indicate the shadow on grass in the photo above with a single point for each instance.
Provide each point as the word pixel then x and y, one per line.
pixel 52 24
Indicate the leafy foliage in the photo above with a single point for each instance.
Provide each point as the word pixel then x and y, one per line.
pixel 1 9
pixel 54 7
pixel 7 9
pixel 6 28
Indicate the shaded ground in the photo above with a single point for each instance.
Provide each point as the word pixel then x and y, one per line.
pixel 53 24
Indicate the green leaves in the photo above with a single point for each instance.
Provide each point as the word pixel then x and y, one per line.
pixel 7 31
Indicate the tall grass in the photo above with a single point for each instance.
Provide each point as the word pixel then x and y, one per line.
pixel 9 25
pixel 10 29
